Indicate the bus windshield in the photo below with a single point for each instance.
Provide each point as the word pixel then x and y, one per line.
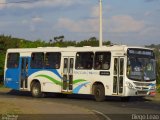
pixel 141 65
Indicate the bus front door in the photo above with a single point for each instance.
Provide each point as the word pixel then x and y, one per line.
pixel 67 73
pixel 24 73
pixel 118 75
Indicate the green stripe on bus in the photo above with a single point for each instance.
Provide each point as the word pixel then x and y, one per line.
pixel 51 79
pixel 78 81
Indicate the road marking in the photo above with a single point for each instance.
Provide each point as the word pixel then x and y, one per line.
pixel 102 114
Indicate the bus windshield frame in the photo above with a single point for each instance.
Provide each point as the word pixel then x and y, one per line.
pixel 141 65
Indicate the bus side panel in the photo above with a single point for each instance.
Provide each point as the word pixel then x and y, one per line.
pixel 82 81
pixel 50 79
pixel 82 88
pixel 12 78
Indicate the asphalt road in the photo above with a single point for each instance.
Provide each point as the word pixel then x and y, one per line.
pixel 111 109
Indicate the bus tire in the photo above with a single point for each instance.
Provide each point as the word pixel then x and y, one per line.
pixel 99 93
pixel 36 90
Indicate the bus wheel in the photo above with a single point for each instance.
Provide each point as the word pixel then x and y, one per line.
pixel 99 93
pixel 36 90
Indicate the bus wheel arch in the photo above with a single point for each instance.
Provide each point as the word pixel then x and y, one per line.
pixel 35 88
pixel 98 90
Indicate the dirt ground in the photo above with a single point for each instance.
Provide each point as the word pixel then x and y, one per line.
pixel 16 105
pixel 12 104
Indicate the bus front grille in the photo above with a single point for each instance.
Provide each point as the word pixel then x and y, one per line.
pixel 142 92
pixel 141 84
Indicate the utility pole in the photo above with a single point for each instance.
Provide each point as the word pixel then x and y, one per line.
pixel 100 24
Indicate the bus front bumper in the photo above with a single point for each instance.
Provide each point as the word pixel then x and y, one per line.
pixel 139 92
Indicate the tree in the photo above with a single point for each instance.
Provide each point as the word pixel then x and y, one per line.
pixel 59 38
pixel 93 41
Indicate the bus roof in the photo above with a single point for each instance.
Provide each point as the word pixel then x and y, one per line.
pixel 72 48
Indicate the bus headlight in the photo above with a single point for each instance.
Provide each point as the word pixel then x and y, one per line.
pixel 129 85
pixel 153 88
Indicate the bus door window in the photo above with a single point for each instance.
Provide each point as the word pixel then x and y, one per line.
pixel 24 72
pixel 71 66
pixel 71 73
pixel 24 64
pixel 65 69
pixel 65 72
pixel 115 75
pixel 121 73
pixel 118 77
pixel 68 74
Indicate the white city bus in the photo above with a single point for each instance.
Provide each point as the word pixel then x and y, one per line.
pixel 116 70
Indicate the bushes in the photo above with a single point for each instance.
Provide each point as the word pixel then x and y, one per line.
pixel 1 80
pixel 158 88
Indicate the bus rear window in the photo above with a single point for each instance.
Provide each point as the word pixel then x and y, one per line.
pixel 13 60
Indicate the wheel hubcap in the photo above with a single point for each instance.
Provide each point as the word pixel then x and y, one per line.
pixel 35 91
pixel 98 92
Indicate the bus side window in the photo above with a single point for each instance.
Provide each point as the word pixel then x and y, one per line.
pixel 84 60
pixel 52 60
pixel 37 60
pixel 13 60
pixel 102 60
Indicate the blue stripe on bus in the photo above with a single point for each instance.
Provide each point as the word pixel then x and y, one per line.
pixel 76 90
pixel 32 71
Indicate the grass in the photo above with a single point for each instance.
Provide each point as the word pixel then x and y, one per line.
pixel 1 86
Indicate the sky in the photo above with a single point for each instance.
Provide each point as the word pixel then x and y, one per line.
pixel 130 22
